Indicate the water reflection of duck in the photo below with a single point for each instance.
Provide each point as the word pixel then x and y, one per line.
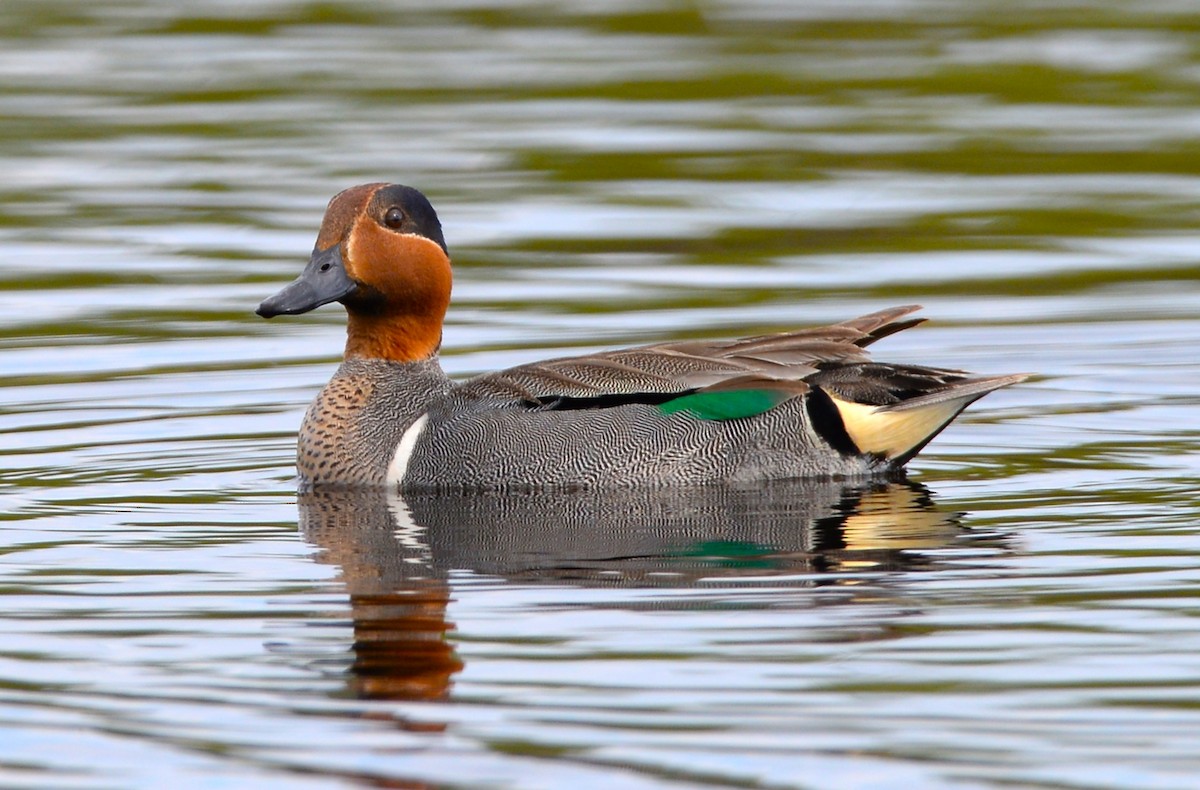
pixel 396 553
pixel 808 403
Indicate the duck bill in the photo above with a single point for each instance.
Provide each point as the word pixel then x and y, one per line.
pixel 323 280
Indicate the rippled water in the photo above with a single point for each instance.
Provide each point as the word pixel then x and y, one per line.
pixel 1023 612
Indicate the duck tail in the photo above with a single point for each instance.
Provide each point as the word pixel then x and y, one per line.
pixel 899 431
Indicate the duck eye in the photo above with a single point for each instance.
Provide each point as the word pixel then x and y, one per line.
pixel 394 218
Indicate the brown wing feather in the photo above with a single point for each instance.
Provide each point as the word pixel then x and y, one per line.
pixel 692 364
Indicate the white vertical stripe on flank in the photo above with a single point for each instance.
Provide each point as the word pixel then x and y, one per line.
pixel 404 450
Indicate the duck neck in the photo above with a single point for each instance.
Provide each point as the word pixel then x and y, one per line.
pixel 394 337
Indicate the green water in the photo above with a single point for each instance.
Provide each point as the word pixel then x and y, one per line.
pixel 1024 613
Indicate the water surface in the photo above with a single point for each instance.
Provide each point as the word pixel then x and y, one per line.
pixel 1021 612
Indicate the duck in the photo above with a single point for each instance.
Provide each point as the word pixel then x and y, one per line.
pixel 807 403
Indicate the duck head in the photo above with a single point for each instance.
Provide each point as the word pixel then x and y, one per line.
pixel 380 252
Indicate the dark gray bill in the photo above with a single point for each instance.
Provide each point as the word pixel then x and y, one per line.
pixel 323 280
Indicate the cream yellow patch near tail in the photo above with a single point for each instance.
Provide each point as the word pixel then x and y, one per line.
pixel 892 434
pixel 898 431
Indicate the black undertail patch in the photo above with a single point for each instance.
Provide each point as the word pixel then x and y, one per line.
pixel 826 420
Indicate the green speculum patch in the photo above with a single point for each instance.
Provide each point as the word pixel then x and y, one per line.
pixel 726 404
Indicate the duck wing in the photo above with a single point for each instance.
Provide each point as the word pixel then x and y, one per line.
pixel 782 362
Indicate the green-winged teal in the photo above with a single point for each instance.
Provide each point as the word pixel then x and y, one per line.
pixel 808 403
